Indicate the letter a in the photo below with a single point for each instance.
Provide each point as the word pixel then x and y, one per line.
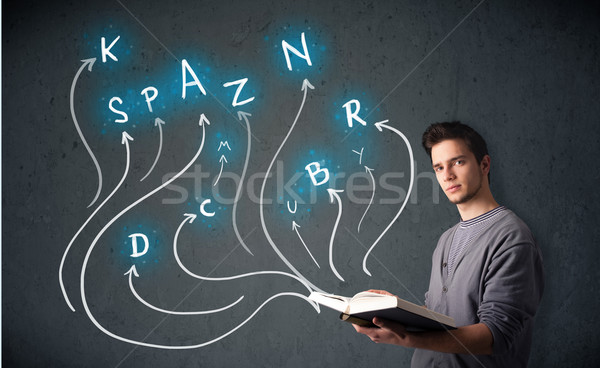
pixel 286 47
pixel 134 244
pixel 353 115
pixel 106 51
pixel 185 66
pixel 313 173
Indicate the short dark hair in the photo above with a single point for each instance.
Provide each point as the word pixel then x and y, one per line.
pixel 439 132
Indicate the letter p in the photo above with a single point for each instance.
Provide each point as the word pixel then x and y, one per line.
pixel 150 98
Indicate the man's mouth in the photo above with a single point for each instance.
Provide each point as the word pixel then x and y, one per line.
pixel 453 188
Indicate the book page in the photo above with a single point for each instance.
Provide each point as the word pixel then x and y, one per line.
pixel 369 295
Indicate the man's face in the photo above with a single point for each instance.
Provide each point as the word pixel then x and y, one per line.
pixel 457 170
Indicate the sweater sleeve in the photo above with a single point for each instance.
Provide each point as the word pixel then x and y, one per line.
pixel 513 286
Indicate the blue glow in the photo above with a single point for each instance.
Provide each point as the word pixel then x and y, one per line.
pixel 127 82
pixel 316 45
pixel 158 248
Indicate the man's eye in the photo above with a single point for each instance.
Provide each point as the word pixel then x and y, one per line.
pixel 439 168
pixel 459 162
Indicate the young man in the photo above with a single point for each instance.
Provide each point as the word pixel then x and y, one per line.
pixel 486 271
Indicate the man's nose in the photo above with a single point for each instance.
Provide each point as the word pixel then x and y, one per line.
pixel 449 175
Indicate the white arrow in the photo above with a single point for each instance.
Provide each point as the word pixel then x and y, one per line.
pixel 305 86
pixel 223 158
pixel 157 122
pixel 369 170
pixel 203 122
pixel 86 63
pixel 334 193
pixel 242 115
pixel 125 138
pixel 189 218
pixel 380 125
pixel 133 271
pixel 295 227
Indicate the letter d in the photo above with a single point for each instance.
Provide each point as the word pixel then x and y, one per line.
pixel 134 244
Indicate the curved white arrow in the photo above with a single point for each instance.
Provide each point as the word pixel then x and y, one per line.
pixel 380 125
pixel 206 343
pixel 305 86
pixel 334 193
pixel 157 122
pixel 125 138
pixel 189 218
pixel 133 271
pixel 89 63
pixel 223 158
pixel 242 115
pixel 369 170
pixel 295 227
pixel 203 121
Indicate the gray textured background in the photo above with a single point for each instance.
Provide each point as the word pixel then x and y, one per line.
pixel 524 74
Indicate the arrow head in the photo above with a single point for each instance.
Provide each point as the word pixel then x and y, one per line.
pixel 368 169
pixel 334 193
pixel 126 137
pixel 306 84
pixel 158 121
pixel 89 62
pixel 294 225
pixel 243 115
pixel 203 120
pixel 190 217
pixel 132 270
pixel 379 125
pixel 223 158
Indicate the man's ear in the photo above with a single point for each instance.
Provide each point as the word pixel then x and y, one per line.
pixel 485 164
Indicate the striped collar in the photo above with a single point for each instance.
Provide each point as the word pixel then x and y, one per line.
pixel 482 218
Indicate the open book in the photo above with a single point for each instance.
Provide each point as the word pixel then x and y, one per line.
pixel 362 307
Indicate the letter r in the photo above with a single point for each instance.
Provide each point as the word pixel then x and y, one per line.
pixel 353 114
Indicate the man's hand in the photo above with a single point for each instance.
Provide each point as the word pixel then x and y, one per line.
pixel 386 332
pixel 382 292
pixel 471 339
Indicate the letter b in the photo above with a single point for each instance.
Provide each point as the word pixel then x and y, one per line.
pixel 313 169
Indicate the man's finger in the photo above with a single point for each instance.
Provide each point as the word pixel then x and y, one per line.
pixel 382 292
pixel 389 325
pixel 363 329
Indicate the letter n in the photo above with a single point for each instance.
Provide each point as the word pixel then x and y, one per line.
pixel 286 48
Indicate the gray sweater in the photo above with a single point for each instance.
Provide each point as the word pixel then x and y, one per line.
pixel 498 280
